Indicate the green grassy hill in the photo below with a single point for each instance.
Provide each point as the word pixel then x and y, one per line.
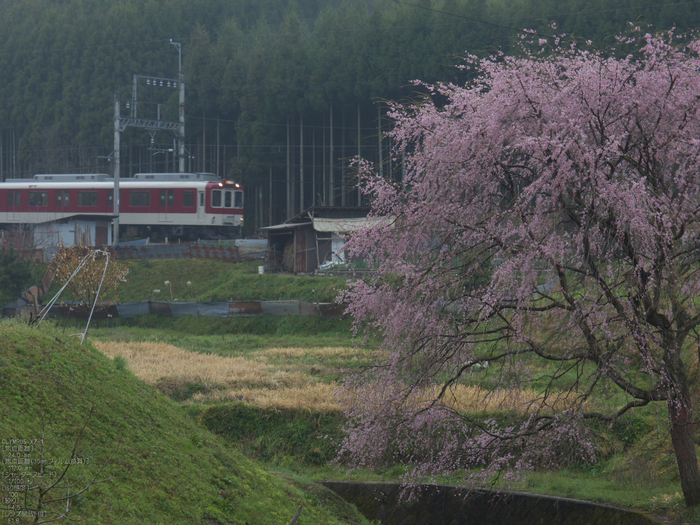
pixel 209 280
pixel 212 280
pixel 159 466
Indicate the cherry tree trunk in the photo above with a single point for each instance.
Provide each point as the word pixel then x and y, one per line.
pixel 680 412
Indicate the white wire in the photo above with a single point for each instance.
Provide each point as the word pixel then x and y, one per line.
pixel 47 308
pixel 99 288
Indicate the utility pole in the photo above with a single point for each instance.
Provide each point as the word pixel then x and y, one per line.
pixel 289 176
pixel 150 124
pixel 117 145
pixel 181 130
pixel 301 163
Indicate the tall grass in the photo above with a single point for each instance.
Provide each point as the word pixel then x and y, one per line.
pixel 289 378
pixel 208 378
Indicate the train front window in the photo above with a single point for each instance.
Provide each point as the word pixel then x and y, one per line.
pixel 216 198
pixel 238 199
pixel 227 199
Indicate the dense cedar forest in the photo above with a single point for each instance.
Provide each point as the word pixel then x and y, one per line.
pixel 280 94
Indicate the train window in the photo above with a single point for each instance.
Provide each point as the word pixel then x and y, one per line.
pixel 227 199
pixel 238 199
pixel 14 198
pixel 216 198
pixel 38 198
pixel 170 197
pixel 139 198
pixel 188 198
pixel 62 198
pixel 87 198
pixel 110 198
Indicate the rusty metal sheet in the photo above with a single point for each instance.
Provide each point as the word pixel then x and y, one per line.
pixel 217 309
pixel 242 250
pixel 307 308
pixel 151 251
pixel 225 253
pixel 332 310
pixel 255 248
pixel 178 309
pixel 160 308
pixel 75 311
pixel 287 308
pixel 130 310
pixel 245 308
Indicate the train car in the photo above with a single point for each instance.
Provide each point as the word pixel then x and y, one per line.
pixel 156 205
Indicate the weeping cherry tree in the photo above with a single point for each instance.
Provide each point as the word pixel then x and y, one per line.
pixel 540 259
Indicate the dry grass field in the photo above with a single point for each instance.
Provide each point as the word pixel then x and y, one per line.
pixel 264 379
pixel 293 378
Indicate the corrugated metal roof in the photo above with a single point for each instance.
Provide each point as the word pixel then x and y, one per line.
pixel 280 227
pixel 349 224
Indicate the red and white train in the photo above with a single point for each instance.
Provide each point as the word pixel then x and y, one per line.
pixel 176 205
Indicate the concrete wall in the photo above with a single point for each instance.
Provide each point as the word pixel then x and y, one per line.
pixel 450 505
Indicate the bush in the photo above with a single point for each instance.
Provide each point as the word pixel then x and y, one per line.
pixel 15 275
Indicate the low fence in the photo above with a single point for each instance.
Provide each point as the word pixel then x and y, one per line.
pixel 181 309
pixel 241 250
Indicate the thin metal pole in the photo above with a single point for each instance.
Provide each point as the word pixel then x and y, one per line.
pixel 117 147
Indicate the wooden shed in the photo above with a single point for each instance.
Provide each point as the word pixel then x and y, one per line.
pixel 311 239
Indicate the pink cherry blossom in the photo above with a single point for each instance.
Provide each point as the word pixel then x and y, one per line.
pixel 547 227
